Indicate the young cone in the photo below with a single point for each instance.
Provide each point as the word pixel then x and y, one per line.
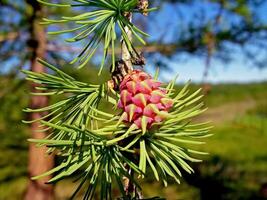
pixel 143 101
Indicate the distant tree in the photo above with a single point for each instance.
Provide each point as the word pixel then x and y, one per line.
pixel 37 44
pixel 22 40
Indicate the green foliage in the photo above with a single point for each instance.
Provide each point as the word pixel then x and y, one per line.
pixel 100 24
pixel 100 144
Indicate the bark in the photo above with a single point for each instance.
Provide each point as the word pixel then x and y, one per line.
pixel 125 54
pixel 38 162
pixel 126 57
pixel 129 187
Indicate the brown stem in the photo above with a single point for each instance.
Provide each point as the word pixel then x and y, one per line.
pixel 129 187
pixel 126 57
pixel 125 54
pixel 38 163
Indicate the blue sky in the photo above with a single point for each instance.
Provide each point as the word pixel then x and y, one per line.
pixel 237 71
pixel 167 23
pixel 192 68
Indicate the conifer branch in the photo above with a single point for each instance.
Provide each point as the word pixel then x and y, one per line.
pixel 150 128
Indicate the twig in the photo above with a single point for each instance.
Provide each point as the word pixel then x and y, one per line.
pixel 125 54
pixel 129 187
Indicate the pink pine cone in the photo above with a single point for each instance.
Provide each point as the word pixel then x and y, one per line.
pixel 142 100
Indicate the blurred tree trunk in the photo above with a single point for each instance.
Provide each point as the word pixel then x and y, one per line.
pixel 38 163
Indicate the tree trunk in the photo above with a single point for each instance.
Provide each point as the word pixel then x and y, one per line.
pixel 38 162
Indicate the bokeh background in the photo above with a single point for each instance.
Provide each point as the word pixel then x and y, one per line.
pixel 221 45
